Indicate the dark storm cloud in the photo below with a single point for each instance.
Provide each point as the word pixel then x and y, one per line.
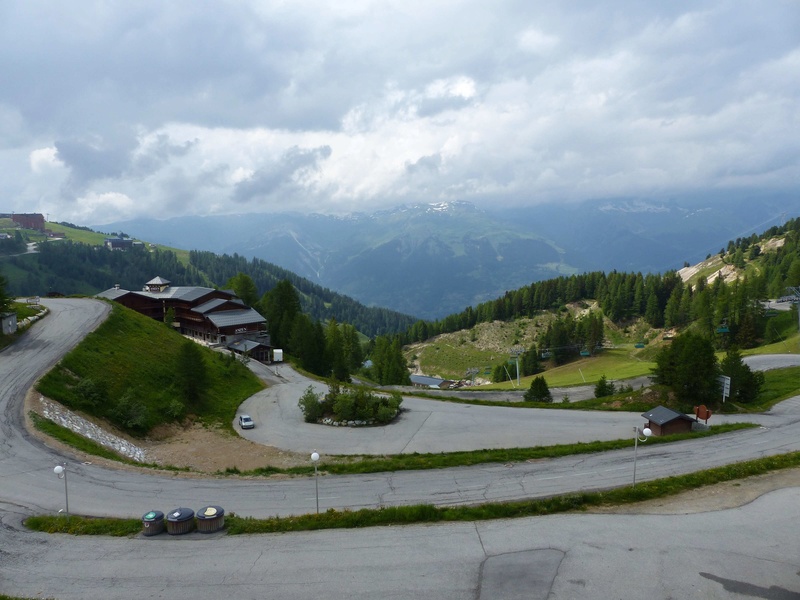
pixel 282 174
pixel 96 157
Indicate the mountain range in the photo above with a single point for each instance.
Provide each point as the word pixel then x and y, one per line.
pixel 432 260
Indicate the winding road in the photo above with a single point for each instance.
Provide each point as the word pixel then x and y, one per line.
pixel 448 561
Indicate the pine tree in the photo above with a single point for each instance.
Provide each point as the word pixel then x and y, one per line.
pixel 689 366
pixel 5 300
pixel 244 287
pixel 539 391
pixel 604 388
pixel 334 348
pixel 191 374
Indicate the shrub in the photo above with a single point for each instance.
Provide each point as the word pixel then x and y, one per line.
pixel 385 414
pixel 132 412
pixel 344 408
pixel 89 394
pixel 310 405
pixel 174 409
pixel 350 404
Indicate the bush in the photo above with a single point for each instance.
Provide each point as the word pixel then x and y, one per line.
pixel 132 413
pixel 174 409
pixel 89 394
pixel 310 405
pixel 344 408
pixel 349 404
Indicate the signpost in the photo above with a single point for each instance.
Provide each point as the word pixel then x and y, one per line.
pixel 725 382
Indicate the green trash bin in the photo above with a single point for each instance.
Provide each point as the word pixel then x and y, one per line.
pixel 153 523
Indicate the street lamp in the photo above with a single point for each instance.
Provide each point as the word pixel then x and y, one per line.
pixel 315 460
pixel 646 432
pixel 61 472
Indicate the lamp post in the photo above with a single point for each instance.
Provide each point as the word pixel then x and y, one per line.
pixel 61 472
pixel 646 432
pixel 315 460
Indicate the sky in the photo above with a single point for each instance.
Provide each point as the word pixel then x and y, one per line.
pixel 115 110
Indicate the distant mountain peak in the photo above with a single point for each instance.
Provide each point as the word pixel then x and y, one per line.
pixel 428 208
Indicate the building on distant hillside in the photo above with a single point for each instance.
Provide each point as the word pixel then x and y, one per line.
pixel 118 243
pixel 215 317
pixel 424 381
pixel 29 221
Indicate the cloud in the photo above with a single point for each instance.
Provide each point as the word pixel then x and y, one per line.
pixel 43 159
pixel 96 157
pixel 295 169
pixel 183 107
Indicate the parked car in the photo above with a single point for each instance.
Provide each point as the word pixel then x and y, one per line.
pixel 245 422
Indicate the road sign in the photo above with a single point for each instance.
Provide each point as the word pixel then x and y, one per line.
pixel 725 382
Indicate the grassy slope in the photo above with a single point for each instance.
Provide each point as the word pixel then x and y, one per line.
pixel 132 352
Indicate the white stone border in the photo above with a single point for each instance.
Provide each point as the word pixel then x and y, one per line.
pixel 66 418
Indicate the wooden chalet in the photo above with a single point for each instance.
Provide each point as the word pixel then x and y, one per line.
pixel 215 317
pixel 665 421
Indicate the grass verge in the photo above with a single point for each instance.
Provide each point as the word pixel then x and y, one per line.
pixel 426 513
pixel 417 462
pixel 350 465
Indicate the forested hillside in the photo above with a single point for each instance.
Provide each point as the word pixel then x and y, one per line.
pixel 319 303
pixel 729 302
pixel 67 267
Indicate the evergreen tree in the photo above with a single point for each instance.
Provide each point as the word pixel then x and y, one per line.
pixel 529 363
pixel 5 300
pixel 689 367
pixel 652 314
pixel 244 287
pixel 745 384
pixel 538 391
pixel 388 364
pixel 280 306
pixel 334 348
pixel 190 373
pixel 354 354
pixel 604 388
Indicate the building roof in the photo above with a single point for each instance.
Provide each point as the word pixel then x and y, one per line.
pixel 216 303
pixel 158 281
pixel 113 293
pixel 245 345
pixel 661 415
pixel 426 380
pixel 187 293
pixel 230 318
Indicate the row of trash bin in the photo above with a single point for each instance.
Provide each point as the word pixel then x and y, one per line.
pixel 183 520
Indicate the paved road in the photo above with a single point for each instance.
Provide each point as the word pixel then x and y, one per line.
pixel 26 466
pixel 748 552
pixel 432 426
pixel 742 553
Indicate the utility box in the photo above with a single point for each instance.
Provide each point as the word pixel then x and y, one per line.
pixel 277 355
